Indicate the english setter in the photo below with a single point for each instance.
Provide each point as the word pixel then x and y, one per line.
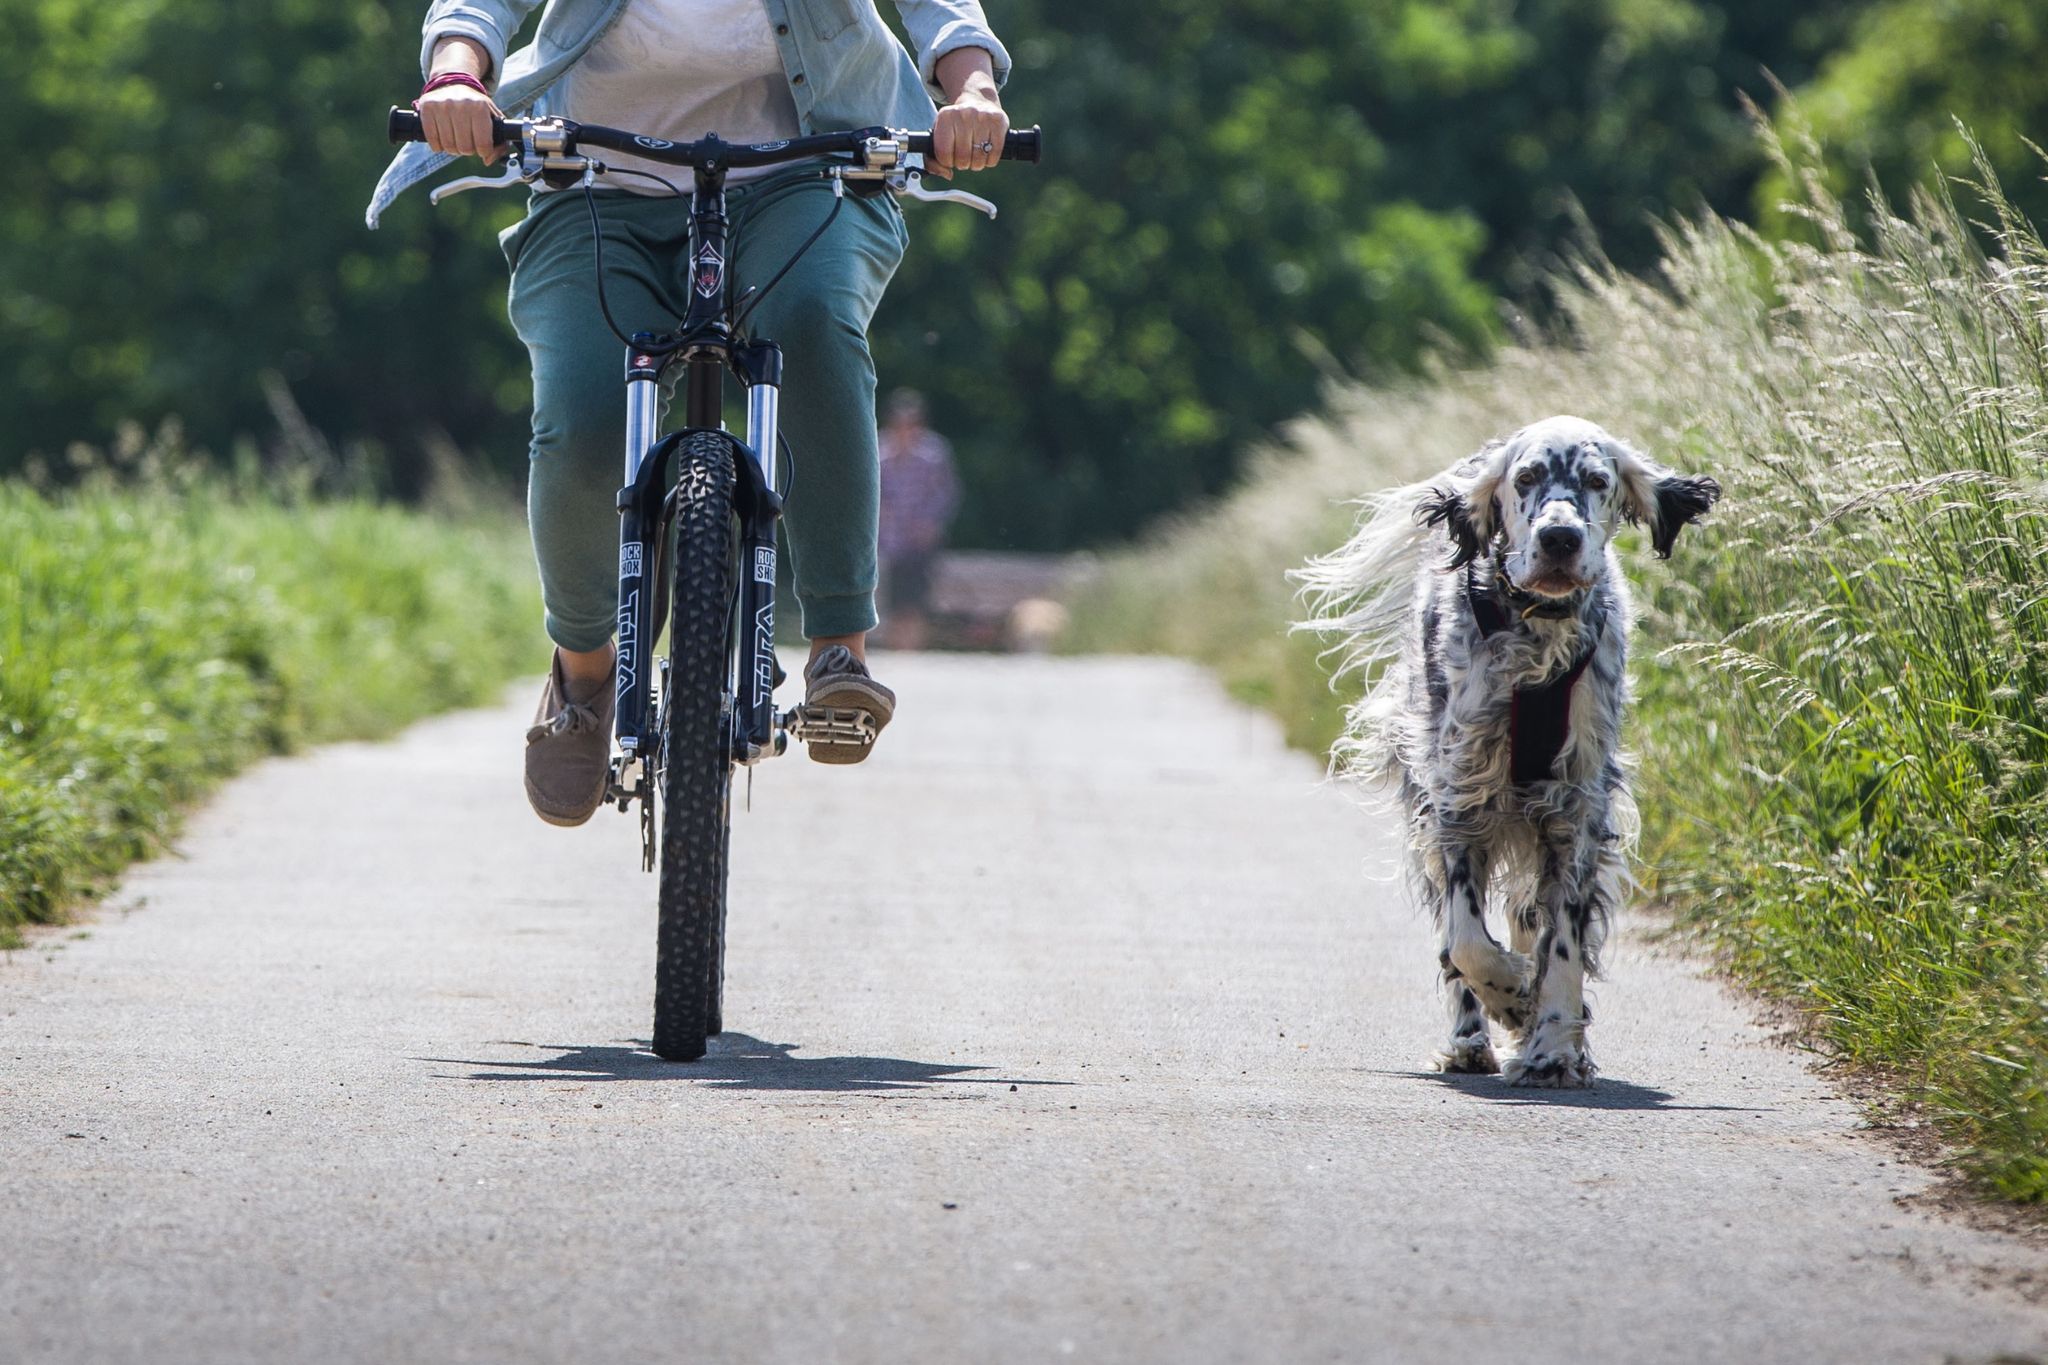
pixel 1496 712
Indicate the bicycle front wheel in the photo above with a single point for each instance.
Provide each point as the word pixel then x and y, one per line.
pixel 696 779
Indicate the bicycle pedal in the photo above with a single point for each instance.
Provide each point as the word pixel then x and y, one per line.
pixel 833 725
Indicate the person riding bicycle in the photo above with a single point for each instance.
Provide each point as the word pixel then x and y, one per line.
pixel 749 71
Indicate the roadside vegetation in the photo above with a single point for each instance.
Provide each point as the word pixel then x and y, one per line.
pixel 159 632
pixel 1844 674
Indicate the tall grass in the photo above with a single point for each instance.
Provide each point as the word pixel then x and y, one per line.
pixel 155 639
pixel 1842 718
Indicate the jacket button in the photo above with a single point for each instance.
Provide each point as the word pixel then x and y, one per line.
pixel 782 30
pixel 797 79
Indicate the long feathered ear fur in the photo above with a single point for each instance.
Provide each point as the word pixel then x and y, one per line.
pixel 1667 502
pixel 1446 507
pixel 1466 507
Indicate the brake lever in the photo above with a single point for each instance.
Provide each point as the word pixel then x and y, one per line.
pixel 513 174
pixel 913 185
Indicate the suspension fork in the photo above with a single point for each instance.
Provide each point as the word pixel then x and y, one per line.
pixel 755 672
pixel 706 347
pixel 640 553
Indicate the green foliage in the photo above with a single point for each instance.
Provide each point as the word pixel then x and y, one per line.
pixel 1887 102
pixel 1243 200
pixel 1210 224
pixel 189 218
pixel 153 641
pixel 1843 674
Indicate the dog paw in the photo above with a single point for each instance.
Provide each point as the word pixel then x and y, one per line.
pixel 1552 1071
pixel 1554 1057
pixel 1467 1057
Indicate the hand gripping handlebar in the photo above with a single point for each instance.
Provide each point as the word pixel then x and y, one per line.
pixel 1019 145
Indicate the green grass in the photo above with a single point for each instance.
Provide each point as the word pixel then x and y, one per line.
pixel 1843 720
pixel 153 641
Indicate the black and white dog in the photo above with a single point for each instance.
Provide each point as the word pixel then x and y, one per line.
pixel 1496 711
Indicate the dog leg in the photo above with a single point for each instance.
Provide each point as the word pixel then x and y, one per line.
pixel 1500 979
pixel 1553 1051
pixel 1470 1049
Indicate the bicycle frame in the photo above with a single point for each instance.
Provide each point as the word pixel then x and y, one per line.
pixel 704 345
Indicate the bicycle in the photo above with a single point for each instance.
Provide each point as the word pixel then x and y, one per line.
pixel 698 547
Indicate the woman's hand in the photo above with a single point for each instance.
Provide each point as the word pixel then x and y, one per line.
pixel 968 133
pixel 456 118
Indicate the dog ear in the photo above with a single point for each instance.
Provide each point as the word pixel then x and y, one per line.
pixel 1446 507
pixel 1466 508
pixel 1681 500
pixel 1668 502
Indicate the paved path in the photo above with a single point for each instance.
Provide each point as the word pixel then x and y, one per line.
pixel 1071 1027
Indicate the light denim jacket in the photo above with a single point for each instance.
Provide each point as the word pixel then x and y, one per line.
pixel 846 69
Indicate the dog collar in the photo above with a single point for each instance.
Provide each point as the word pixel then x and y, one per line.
pixel 1504 604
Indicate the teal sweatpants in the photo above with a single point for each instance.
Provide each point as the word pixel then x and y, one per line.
pixel 819 314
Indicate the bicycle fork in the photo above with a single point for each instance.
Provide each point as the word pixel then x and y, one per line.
pixel 757 731
pixel 755 670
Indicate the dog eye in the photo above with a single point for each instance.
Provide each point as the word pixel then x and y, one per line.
pixel 1526 480
pixel 1594 480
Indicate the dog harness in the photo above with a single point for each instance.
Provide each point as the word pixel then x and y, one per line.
pixel 1539 717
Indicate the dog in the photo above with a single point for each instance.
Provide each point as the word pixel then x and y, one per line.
pixel 1498 685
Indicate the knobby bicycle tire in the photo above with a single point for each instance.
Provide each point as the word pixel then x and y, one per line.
pixel 696 785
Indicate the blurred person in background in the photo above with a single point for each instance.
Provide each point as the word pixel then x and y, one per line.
pixel 920 493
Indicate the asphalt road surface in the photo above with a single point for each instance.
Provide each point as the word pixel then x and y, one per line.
pixel 1082 1023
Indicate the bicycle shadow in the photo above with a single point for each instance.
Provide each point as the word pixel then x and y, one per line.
pixel 1605 1093
pixel 734 1061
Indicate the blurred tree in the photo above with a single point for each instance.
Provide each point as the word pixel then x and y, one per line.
pixel 189 238
pixel 1886 102
pixel 1214 228
pixel 1244 198
pixel 1625 110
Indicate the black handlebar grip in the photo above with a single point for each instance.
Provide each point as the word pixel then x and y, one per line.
pixel 1018 144
pixel 404 126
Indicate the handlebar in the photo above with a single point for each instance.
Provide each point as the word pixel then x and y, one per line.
pixel 1019 144
pixel 404 126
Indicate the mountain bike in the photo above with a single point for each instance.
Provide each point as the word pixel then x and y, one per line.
pixel 697 529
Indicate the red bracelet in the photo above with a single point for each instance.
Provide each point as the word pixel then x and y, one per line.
pixel 447 78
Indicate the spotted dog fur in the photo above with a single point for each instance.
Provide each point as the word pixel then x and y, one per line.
pixel 1530 591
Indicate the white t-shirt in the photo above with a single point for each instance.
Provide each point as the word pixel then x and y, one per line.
pixel 681 70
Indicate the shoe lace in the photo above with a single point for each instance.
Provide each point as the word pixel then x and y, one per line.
pixel 574 718
pixel 837 659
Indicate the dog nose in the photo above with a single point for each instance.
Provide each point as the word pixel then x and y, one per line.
pixel 1560 542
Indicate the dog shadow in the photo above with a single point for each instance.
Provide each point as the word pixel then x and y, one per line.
pixel 733 1061
pixel 1604 1093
